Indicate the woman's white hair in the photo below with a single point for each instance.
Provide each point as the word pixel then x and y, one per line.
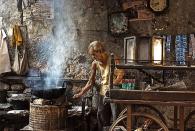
pixel 96 46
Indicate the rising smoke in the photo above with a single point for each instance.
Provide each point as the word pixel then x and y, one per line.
pixel 59 44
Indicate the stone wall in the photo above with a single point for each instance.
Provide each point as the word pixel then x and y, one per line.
pixel 177 19
pixel 89 22
pixel 83 22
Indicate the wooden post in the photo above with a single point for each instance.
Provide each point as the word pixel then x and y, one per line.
pixel 175 117
pixel 112 66
pixel 129 117
pixel 164 83
pixel 181 118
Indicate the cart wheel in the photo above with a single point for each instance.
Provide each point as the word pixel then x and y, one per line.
pixel 123 112
pixel 151 109
pixel 140 121
pixel 189 119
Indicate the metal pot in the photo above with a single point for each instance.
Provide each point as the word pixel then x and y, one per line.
pixel 40 90
pixel 52 93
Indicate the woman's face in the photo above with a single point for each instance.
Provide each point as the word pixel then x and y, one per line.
pixel 95 54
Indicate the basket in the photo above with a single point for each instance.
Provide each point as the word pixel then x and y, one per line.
pixel 47 117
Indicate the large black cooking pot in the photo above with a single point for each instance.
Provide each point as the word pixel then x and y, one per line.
pixel 44 91
pixel 48 93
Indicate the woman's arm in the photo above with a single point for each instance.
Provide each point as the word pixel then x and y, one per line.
pixel 90 82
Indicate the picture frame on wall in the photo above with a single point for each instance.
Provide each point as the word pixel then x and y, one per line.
pixel 118 23
pixel 157 50
pixel 130 49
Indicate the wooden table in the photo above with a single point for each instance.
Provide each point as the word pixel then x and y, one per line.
pixel 178 99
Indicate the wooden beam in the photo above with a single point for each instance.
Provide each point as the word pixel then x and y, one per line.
pixel 168 103
pixel 154 67
pixel 129 118
pixel 181 118
pixel 175 117
pixel 164 96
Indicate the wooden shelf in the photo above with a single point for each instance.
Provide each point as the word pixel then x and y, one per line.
pixel 136 19
pixel 154 67
pixel 21 79
pixel 40 78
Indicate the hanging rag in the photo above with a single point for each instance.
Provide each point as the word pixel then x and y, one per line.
pixel 17 36
pixel 16 64
pixel 5 65
pixel 20 65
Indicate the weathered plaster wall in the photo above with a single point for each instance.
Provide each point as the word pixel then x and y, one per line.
pixel 180 17
pixel 88 23
pixel 177 19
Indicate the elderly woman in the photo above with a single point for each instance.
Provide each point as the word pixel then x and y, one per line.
pixel 101 63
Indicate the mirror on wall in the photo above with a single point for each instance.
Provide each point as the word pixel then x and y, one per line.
pixel 143 50
pixel 130 49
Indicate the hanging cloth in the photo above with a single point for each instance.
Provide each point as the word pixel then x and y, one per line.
pixel 4 54
pixel 20 65
pixel 16 64
pixel 17 36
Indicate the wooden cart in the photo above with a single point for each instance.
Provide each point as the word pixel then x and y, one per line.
pixel 178 99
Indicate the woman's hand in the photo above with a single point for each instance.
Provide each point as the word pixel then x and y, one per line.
pixel 78 95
